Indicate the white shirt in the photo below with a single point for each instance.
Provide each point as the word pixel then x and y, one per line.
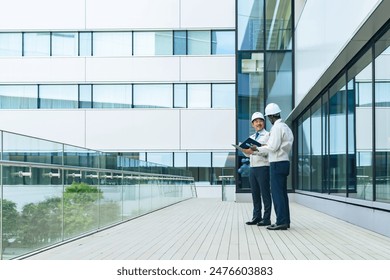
pixel 256 159
pixel 279 143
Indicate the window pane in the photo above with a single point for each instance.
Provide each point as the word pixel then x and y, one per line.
pixel 279 80
pixel 199 159
pixel 58 96
pixel 153 43
pixel 153 96
pixel 18 97
pixel 278 25
pixel 199 43
pixel 316 147
pixel 250 25
pixel 337 132
pixel 10 44
pixel 225 159
pixel 180 159
pixel 85 96
pixel 180 99
pixel 112 96
pixel 199 96
pixel 112 44
pixel 382 119
pixel 85 43
pixel 161 158
pixel 37 44
pixel 64 44
pixel 360 129
pixel 224 96
pixel 180 43
pixel 223 42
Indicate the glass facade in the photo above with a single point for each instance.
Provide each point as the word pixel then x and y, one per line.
pixel 343 137
pixel 64 96
pixel 45 186
pixel 111 44
pixel 264 66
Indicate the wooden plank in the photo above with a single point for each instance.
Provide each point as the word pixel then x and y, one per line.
pixel 209 229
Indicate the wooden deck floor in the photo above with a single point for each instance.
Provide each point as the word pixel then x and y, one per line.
pixel 208 229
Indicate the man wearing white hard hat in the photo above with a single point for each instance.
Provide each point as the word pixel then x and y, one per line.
pixel 278 148
pixel 259 175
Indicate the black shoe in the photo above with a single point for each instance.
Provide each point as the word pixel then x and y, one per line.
pixel 263 223
pixel 253 222
pixel 278 227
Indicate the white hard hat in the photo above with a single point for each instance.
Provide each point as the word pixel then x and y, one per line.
pixel 257 115
pixel 272 109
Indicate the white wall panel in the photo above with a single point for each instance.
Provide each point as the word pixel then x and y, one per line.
pixel 128 129
pixel 67 126
pixel 133 14
pixel 134 69
pixel 323 30
pixel 215 68
pixel 42 15
pixel 208 13
pixel 132 129
pixel 207 129
pixel 42 70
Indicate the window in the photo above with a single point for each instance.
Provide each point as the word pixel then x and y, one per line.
pixel 224 96
pixel 153 96
pixel 58 96
pixel 85 39
pixel 112 96
pixel 180 159
pixel 180 96
pixel 223 42
pixel 180 43
pixel 161 158
pixel 10 44
pixel 18 97
pixel 199 96
pixel 37 44
pixel 85 96
pixel 112 44
pixel 64 44
pixel 153 43
pixel 199 43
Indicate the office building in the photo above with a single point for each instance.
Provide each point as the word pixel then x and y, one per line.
pixel 154 80
pixel 165 80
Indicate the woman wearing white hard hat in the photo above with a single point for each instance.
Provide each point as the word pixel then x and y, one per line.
pixel 259 175
pixel 278 148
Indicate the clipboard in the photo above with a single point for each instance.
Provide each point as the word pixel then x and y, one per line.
pixel 247 144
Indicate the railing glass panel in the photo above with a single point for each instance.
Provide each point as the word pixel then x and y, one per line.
pixel 52 192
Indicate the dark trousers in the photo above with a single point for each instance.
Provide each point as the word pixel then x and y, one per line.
pixel 279 171
pixel 260 186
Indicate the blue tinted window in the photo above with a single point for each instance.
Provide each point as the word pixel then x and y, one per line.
pixel 180 43
pixel 10 44
pixel 223 96
pixel 112 96
pixel 199 96
pixel 85 43
pixel 180 96
pixel 58 96
pixel 37 44
pixel 64 44
pixel 153 43
pixel 223 42
pixel 199 42
pixel 112 44
pixel 18 97
pixel 153 96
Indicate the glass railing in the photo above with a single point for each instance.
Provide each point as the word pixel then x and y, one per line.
pixel 52 192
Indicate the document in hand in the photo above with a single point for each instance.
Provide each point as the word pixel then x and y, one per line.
pixel 246 144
